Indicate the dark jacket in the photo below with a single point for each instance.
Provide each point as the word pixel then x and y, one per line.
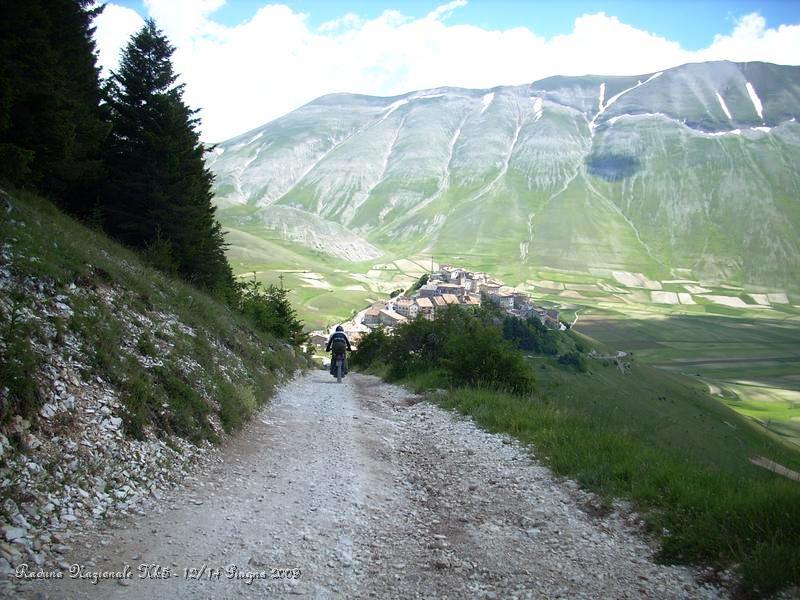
pixel 337 335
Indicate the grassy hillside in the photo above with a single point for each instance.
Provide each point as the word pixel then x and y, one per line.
pixel 701 513
pixel 667 410
pixel 322 292
pixel 750 365
pixel 181 362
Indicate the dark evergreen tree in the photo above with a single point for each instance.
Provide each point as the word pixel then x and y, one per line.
pixel 159 190
pixel 51 124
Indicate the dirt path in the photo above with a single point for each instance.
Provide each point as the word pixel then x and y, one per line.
pixel 771 465
pixel 731 360
pixel 370 493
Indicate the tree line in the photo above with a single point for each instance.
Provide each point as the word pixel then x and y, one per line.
pixel 123 153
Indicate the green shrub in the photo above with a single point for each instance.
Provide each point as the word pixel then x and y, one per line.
pixel 188 410
pixel 270 311
pixel 373 347
pixel 418 284
pixel 236 405
pixel 574 359
pixel 482 357
pixel 529 334
pixel 467 346
pixel 18 367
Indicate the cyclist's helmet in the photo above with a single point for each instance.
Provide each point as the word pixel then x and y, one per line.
pixel 339 328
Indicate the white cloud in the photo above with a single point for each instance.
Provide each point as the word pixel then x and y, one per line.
pixel 446 9
pixel 246 75
pixel 752 40
pixel 601 44
pixel 183 20
pixel 348 20
pixel 115 25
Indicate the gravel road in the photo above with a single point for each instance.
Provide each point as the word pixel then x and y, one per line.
pixel 360 490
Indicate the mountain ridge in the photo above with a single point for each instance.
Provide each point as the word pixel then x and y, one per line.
pixel 687 169
pixel 600 78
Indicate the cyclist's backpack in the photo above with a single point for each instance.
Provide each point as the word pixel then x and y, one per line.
pixel 338 345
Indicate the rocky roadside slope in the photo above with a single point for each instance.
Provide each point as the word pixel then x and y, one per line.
pixel 72 462
pixel 86 334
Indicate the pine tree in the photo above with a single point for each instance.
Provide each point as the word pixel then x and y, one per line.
pixel 159 190
pixel 51 124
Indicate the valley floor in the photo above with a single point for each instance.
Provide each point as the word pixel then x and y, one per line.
pixel 370 492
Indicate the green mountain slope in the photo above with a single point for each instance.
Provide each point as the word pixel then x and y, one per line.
pixel 685 174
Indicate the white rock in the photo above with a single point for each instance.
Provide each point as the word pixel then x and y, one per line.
pixel 20 521
pixel 13 533
pixel 9 552
pixel 47 411
pixel 5 568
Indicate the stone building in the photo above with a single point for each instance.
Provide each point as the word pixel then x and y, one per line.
pixel 425 307
pixel 405 306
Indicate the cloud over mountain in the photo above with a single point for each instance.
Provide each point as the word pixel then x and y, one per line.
pixel 247 74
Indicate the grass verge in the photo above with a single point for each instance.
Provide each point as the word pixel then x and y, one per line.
pixel 699 514
pixel 657 440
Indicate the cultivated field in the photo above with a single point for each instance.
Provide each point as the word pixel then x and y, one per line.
pixel 752 365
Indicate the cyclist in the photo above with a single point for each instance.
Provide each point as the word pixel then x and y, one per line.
pixel 337 344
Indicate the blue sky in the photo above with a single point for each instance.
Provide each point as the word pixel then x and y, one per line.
pixel 692 23
pixel 245 62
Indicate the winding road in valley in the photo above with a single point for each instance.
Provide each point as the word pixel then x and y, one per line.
pixel 362 490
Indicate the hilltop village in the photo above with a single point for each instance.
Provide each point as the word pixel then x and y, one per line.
pixel 450 285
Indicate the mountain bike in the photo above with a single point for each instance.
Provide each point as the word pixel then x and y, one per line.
pixel 338 367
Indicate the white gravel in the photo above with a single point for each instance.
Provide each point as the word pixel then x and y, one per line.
pixel 371 493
